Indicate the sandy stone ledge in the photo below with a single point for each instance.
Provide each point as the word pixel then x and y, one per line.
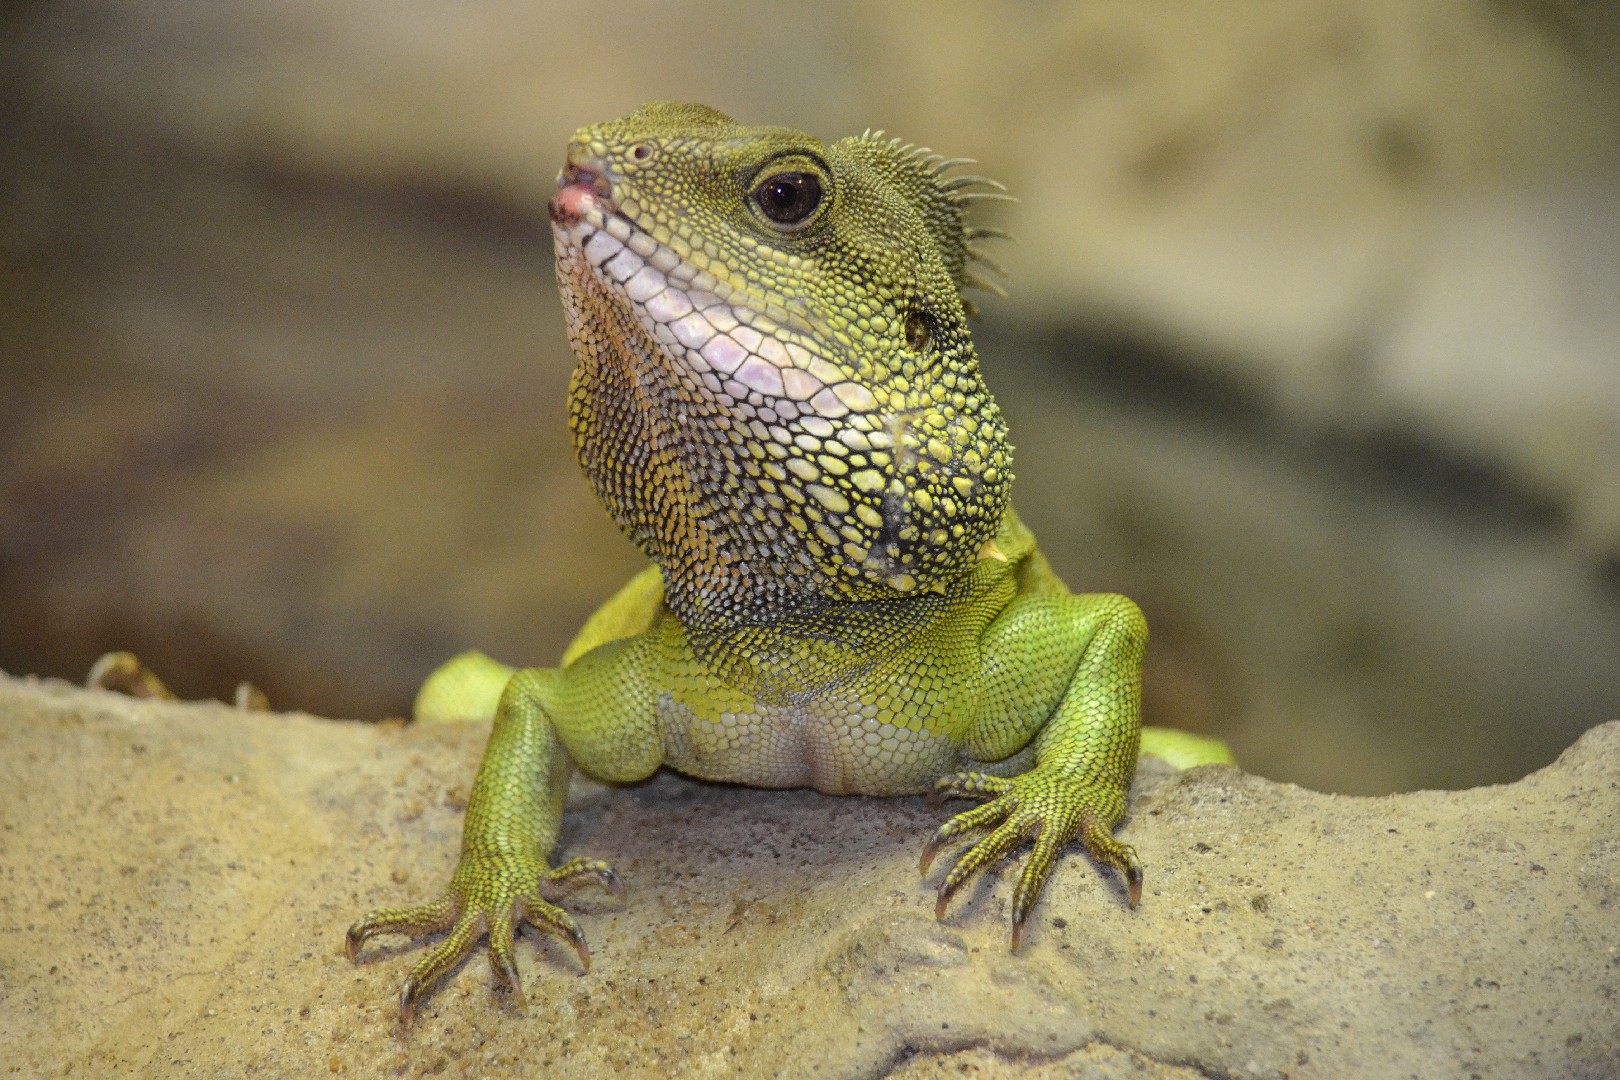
pixel 175 881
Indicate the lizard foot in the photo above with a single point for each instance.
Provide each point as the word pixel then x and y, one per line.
pixel 123 673
pixel 489 893
pixel 1045 808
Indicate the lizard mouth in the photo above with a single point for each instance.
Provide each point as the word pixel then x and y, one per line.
pixel 579 189
pixel 736 344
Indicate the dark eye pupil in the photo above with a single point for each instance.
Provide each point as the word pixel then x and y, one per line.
pixel 788 198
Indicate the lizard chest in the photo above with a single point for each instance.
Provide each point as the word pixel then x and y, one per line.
pixel 841 745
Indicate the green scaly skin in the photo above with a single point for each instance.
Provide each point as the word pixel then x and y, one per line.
pixel 777 398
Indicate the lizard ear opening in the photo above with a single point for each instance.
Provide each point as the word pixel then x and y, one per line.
pixel 919 331
pixel 943 198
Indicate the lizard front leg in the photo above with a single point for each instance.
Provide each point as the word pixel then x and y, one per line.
pixel 513 819
pixel 1063 676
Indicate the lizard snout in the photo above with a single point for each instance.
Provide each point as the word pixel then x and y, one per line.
pixel 579 185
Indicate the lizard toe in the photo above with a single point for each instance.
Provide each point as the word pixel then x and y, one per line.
pixel 579 872
pixel 502 961
pixel 1099 840
pixel 1033 878
pixel 554 920
pixel 412 921
pixel 437 963
pixel 980 817
pixel 971 785
pixel 988 851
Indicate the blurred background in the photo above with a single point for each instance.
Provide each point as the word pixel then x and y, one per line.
pixel 1312 344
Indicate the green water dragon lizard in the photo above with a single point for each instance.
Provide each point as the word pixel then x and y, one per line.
pixel 777 398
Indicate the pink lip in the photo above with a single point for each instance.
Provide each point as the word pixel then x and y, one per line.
pixel 579 187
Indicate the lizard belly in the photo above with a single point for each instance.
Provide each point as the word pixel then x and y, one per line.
pixel 830 746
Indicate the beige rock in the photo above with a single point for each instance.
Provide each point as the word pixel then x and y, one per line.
pixel 178 878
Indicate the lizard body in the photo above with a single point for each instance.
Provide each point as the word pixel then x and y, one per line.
pixel 778 400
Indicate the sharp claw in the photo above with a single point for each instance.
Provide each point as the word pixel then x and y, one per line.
pixel 929 850
pixel 353 940
pixel 576 938
pixel 407 1005
pixel 1133 884
pixel 506 969
pixel 947 889
pixel 612 883
pixel 1017 929
pixel 502 933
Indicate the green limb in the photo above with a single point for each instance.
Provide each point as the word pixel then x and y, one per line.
pixel 513 817
pixel 1087 712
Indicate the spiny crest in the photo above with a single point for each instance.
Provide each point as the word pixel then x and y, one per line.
pixel 944 199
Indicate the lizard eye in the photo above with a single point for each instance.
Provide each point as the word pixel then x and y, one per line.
pixel 788 198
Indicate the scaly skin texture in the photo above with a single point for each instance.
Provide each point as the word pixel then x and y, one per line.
pixel 778 400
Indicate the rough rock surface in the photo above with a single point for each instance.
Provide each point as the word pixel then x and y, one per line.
pixel 176 880
pixel 278 335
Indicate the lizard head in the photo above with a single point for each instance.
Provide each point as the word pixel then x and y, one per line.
pixel 776 393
